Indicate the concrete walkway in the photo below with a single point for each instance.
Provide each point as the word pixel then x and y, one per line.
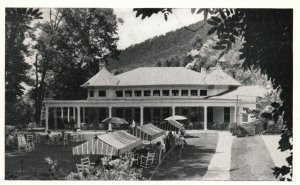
pixel 272 144
pixel 219 168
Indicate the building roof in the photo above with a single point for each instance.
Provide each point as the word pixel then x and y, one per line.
pixel 147 76
pixel 173 76
pixel 245 92
pixel 102 78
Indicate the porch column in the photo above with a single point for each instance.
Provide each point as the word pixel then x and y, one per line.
pixel 109 115
pixel 68 114
pixel 234 114
pixel 83 114
pixel 62 113
pixel 78 117
pixel 74 114
pixel 46 119
pixel 55 117
pixel 205 117
pixel 173 110
pixel 142 115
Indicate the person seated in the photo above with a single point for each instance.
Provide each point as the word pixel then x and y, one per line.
pixel 158 147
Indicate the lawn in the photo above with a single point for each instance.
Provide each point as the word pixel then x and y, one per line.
pixel 34 165
pixel 194 161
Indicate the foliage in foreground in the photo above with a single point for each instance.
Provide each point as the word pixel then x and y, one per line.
pixel 268 35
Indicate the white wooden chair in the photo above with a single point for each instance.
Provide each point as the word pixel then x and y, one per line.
pixel 65 139
pixel 37 138
pixel 86 163
pixel 29 138
pixel 79 170
pixel 147 161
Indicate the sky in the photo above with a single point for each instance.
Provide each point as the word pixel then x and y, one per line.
pixel 135 30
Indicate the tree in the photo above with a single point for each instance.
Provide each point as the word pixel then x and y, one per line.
pixel 268 35
pixel 90 35
pixel 17 21
pixel 69 48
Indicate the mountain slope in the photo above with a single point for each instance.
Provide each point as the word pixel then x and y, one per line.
pixel 149 52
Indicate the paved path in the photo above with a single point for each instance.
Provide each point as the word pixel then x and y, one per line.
pixel 271 142
pixel 251 160
pixel 219 168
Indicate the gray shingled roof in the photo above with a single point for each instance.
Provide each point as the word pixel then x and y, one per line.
pixel 162 76
pixel 102 78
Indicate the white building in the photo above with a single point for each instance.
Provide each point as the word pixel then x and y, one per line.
pixel 150 94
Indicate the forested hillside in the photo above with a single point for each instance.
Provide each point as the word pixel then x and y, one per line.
pixel 149 52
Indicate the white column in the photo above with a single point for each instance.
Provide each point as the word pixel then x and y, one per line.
pixel 68 114
pixel 109 115
pixel 142 115
pixel 83 114
pixel 46 121
pixel 173 110
pixel 205 117
pixel 78 117
pixel 62 113
pixel 234 114
pixel 55 117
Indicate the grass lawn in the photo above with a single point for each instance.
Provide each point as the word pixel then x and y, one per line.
pixel 250 160
pixel 194 161
pixel 34 165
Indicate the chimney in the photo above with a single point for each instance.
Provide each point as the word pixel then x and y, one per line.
pixel 102 64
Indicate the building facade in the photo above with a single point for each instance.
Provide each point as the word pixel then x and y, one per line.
pixel 151 94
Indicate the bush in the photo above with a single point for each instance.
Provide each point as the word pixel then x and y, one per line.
pixel 120 171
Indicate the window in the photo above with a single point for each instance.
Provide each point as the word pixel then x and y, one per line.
pixel 194 92
pixel 119 93
pixel 166 92
pixel 226 114
pixel 147 93
pixel 156 92
pixel 244 117
pixel 91 93
pixel 203 92
pixel 128 93
pixel 137 93
pixel 102 93
pixel 184 92
pixel 175 92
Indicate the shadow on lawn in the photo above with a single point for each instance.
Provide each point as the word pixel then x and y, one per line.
pixel 194 162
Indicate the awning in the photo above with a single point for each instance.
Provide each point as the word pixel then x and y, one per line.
pixel 176 124
pixel 147 132
pixel 171 125
pixel 112 144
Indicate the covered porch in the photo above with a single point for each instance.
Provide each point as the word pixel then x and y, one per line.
pixel 89 114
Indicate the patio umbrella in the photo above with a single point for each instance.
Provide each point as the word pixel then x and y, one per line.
pixel 176 117
pixel 114 120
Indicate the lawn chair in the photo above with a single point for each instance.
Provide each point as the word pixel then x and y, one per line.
pixel 86 163
pixel 56 140
pixel 79 170
pixel 65 139
pixel 147 161
pixel 37 138
pixel 29 138
pixel 134 160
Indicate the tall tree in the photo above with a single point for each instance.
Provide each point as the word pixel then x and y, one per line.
pixel 268 35
pixel 17 25
pixel 90 35
pixel 69 47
